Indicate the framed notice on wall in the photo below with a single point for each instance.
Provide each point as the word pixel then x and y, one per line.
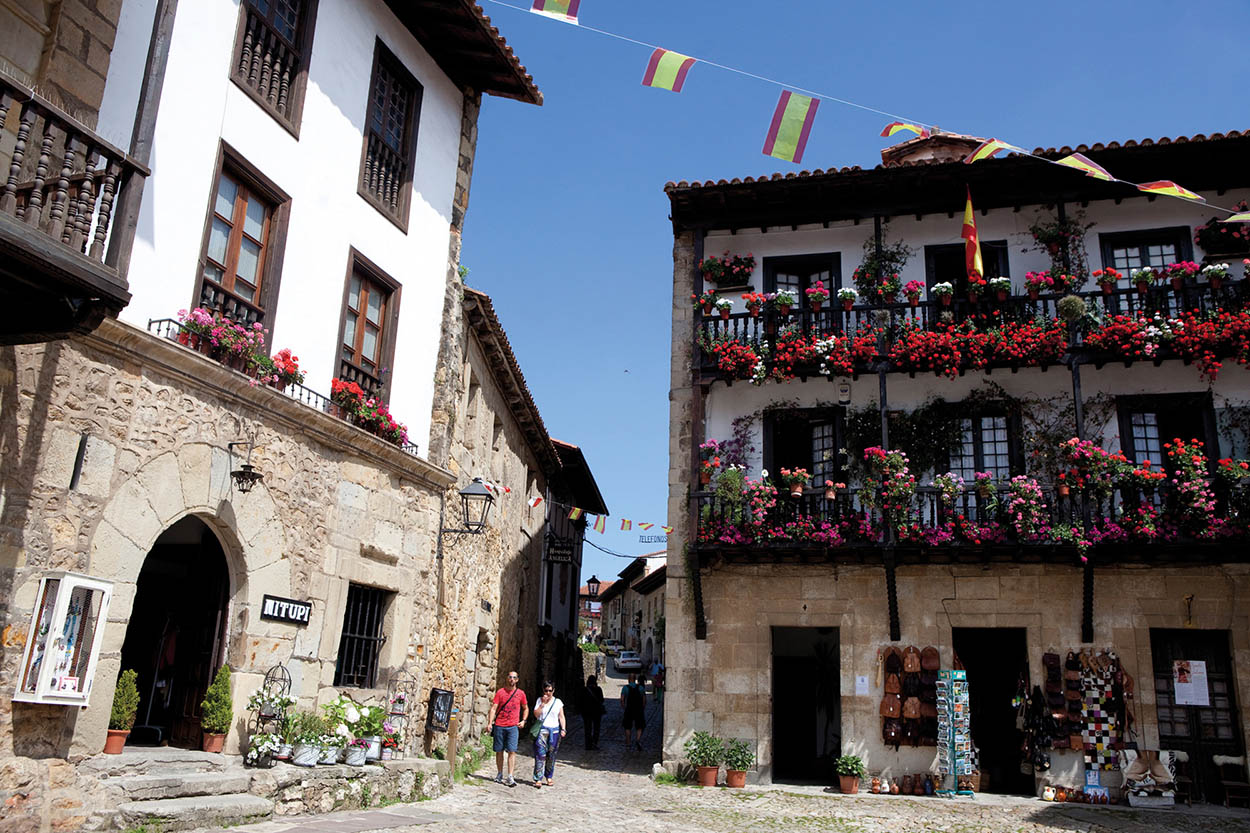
pixel 1189 682
pixel 438 712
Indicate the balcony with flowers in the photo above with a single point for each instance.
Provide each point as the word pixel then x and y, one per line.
pixel 1100 507
pixel 1186 311
pixel 241 347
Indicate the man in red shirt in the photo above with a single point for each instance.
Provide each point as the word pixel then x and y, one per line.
pixel 508 712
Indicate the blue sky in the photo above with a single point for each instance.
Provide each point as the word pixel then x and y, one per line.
pixel 568 225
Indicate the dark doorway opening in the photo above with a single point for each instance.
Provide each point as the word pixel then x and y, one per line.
pixel 807 704
pixel 175 638
pixel 1201 731
pixel 997 662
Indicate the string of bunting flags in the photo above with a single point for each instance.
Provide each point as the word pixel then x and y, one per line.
pixel 795 113
pixel 575 513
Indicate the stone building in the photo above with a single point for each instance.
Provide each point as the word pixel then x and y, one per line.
pixel 134 531
pixel 780 609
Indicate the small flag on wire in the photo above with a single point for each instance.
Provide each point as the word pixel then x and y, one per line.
pixel 668 530
pixel 898 126
pixel 792 124
pixel 667 70
pixel 600 523
pixel 565 10
pixel 1170 189
pixel 1243 217
pixel 574 513
pixel 626 523
pixel 1085 166
pixel 534 501
pixel 645 527
pixel 987 149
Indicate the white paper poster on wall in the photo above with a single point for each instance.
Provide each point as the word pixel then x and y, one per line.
pixel 1189 682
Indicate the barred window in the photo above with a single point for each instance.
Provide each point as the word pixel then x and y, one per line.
pixel 271 55
pixel 362 639
pixel 390 141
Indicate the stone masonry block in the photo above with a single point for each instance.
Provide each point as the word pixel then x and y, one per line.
pixel 60 450
pixel 160 480
pixel 113 555
pixel 194 468
pixel 97 467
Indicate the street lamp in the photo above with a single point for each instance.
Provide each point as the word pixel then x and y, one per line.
pixel 246 476
pixel 592 587
pixel 475 501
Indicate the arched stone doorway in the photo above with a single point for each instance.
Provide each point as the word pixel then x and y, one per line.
pixel 176 636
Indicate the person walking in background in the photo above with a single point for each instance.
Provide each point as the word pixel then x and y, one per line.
pixel 592 712
pixel 549 711
pixel 657 680
pixel 633 701
pixel 508 710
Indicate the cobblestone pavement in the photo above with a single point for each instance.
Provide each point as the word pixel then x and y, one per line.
pixel 610 790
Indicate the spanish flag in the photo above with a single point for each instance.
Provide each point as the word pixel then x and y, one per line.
pixel 565 10
pixel 667 70
pixel 897 126
pixel 626 523
pixel 972 246
pixel 600 524
pixel 1243 217
pixel 791 125
pixel 987 149
pixel 668 530
pixel 1085 166
pixel 575 514
pixel 1170 189
pixel 645 526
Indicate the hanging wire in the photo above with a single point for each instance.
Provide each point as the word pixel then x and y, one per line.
pixel 843 101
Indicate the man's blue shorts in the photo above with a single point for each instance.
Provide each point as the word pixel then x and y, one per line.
pixel 506 738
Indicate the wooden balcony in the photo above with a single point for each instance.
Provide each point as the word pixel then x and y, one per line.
pixel 69 203
pixel 762 332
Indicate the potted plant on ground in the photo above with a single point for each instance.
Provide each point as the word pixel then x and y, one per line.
pixel 848 297
pixel 912 290
pixel 943 291
pixel 217 711
pixel 1106 279
pixel 261 750
pixel 850 768
pixel 738 759
pixel 390 745
pixel 332 744
pixel 1001 288
pixel 309 730
pixel 357 752
pixel 817 295
pixel 795 480
pixel 705 752
pixel 122 717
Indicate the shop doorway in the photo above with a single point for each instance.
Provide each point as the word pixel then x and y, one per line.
pixel 807 704
pixel 1200 731
pixel 997 661
pixel 176 636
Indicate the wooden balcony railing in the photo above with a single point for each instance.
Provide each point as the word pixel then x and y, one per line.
pixel 218 299
pixel 66 182
pixel 369 383
pixel 762 331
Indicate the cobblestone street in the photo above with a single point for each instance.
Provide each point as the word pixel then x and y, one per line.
pixel 610 790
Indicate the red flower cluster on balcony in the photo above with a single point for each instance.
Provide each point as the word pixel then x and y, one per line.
pixel 368 412
pixel 1028 343
pixel 918 349
pixel 735 358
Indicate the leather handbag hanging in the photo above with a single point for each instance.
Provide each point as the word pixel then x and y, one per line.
pixel 911 708
pixel 930 659
pixel 911 659
pixel 891 706
pixel 892 684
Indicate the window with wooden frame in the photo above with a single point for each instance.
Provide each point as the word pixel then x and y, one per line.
pixel 1126 251
pixel 989 441
pixel 271 53
pixel 367 327
pixel 808 438
pixel 947 262
pixel 390 143
pixel 240 264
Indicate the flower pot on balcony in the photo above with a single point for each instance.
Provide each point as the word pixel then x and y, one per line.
pixel 796 490
pixel 973 297
pixel 724 315
pixel 1178 283
pixel 817 304
pixel 1143 287
pixel 847 303
pixel 707 775
pixel 913 300
pixel 1216 282
pixel 1033 293
pixel 755 311
pixel 707 308
pixel 705 477
pixel 1001 294
pixel 205 346
pixel 783 309
pixel 184 338
pixel 1107 288
pixel 946 300
pixel 831 494
pixel 1062 489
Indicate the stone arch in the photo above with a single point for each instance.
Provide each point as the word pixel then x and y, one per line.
pixel 193 480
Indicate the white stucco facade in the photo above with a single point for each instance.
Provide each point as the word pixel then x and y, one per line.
pixel 201 108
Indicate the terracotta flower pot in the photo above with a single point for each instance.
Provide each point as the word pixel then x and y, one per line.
pixel 783 309
pixel 205 346
pixel 831 494
pixel 914 300
pixel 1033 293
pixel 1002 294
pixel 1107 288
pixel 735 778
pixel 724 315
pixel 755 311
pixel 849 784
pixel 816 305
pixel 973 297
pixel 1143 287
pixel 707 309
pixel 1178 283
pixel 946 300
pixel 184 337
pixel 705 477
pixel 1216 283
pixel 213 742
pixel 796 491
pixel 115 741
pixel 707 776
pixel 1063 489
pixel 847 303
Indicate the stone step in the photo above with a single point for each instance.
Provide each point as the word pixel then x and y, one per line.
pixel 167 814
pixel 182 785
pixel 155 760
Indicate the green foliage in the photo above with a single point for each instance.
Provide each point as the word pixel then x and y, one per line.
pixel 1071 308
pixel 125 701
pixel 366 795
pixel 217 710
pixel 738 755
pixel 471 757
pixel 704 749
pixel 669 780
pixel 286 727
pixel 462 271
pixel 589 648
pixel 370 723
pixel 849 765
pixel 929 434
pixel 309 727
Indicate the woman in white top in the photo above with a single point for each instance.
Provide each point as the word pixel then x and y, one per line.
pixel 549 711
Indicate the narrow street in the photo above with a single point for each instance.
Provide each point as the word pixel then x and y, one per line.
pixel 611 789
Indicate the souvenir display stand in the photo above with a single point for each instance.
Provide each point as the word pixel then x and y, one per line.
pixel 955 756
pixel 63 640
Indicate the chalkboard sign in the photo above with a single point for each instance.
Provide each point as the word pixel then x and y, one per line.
pixel 438 714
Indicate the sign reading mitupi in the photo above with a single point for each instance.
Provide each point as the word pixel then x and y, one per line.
pixel 285 610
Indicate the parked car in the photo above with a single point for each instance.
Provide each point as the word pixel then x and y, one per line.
pixel 627 661
pixel 610 647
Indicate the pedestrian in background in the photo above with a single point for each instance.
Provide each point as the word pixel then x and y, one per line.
pixel 633 701
pixel 549 711
pixel 593 710
pixel 657 680
pixel 508 710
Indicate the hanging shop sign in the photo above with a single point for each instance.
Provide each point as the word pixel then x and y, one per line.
pixel 560 553
pixel 279 609
pixel 438 713
pixel 1189 681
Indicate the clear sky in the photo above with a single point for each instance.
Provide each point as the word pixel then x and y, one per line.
pixel 568 225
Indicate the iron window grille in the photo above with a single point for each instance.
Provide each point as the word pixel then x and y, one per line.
pixel 362 639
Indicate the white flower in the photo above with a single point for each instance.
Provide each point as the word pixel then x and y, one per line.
pixel 763 472
pixel 352 714
pixel 343 730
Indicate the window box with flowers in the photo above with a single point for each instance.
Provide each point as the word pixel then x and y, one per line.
pixel 1220 239
pixel 728 271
